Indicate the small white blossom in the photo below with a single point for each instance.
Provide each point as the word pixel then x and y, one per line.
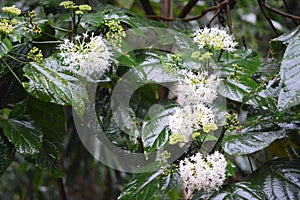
pixel 196 89
pixel 207 174
pixel 86 58
pixel 216 38
pixel 187 119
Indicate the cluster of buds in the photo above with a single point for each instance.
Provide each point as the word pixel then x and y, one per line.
pixel 78 9
pixel 115 32
pixel 7 24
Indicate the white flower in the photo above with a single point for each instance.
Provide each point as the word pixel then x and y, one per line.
pixel 216 38
pixel 188 119
pixel 203 174
pixel 196 93
pixel 86 58
pixel 196 89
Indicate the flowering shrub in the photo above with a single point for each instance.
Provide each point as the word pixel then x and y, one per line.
pixel 187 108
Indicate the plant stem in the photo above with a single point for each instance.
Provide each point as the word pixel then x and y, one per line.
pixel 10 69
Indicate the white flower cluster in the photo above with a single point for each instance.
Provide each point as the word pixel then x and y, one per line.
pixel 86 56
pixel 196 94
pixel 216 38
pixel 187 119
pixel 198 173
pixel 196 89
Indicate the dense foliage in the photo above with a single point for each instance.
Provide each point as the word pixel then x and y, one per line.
pixel 200 85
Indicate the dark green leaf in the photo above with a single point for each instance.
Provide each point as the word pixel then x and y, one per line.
pixel 7 153
pixel 93 19
pixel 50 118
pixel 238 191
pixel 279 179
pixel 154 186
pixel 154 133
pixel 278 44
pixel 22 131
pixel 5 46
pixel 48 84
pixel 241 62
pixel 238 89
pixel 290 76
pixel 247 142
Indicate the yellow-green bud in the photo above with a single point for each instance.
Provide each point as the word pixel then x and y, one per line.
pixel 205 56
pixel 176 138
pixel 209 127
pixel 196 54
pixel 32 14
pixel 6 28
pixel 68 4
pixel 35 54
pixel 79 12
pixel 85 7
pixel 11 10
pixel 14 22
pixel 196 134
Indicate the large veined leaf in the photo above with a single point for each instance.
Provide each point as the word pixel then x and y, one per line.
pixel 50 118
pixel 246 142
pixel 238 90
pixel 279 179
pixel 242 190
pixel 290 76
pixel 154 133
pixel 22 131
pixel 48 83
pixel 278 44
pixel 246 61
pixel 7 153
pixel 5 46
pixel 154 186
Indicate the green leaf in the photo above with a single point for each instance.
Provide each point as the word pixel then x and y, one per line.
pixel 5 46
pixel 247 141
pixel 46 83
pixel 155 186
pixel 242 190
pixel 49 84
pixel 279 179
pixel 246 61
pixel 50 118
pixel 7 153
pixel 290 76
pixel 278 44
pixel 238 89
pixel 22 132
pixel 154 133
pixel 93 19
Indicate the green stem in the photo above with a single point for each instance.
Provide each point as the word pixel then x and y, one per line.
pixel 10 69
pixel 250 163
pixel 12 57
pixel 61 29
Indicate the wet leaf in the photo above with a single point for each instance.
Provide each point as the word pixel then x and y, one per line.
pixel 278 179
pixel 290 76
pixel 247 142
pixel 155 186
pixel 242 190
pixel 154 133
pixel 7 153
pixel 5 46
